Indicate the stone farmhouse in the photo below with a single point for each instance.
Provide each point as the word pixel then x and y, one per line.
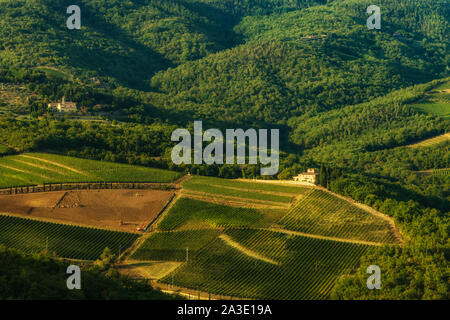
pixel 311 176
pixel 64 106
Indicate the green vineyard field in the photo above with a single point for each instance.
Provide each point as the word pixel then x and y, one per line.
pixel 247 185
pixel 308 268
pixel 436 102
pixel 38 168
pixel 323 214
pixel 72 242
pixel 190 212
pixel 171 246
pixel 253 258
pixel 432 141
pixel 213 186
pixel 442 172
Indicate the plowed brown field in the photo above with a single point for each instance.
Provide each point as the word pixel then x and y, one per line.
pixel 96 208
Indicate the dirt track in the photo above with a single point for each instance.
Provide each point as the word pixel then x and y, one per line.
pixel 244 250
pixel 96 208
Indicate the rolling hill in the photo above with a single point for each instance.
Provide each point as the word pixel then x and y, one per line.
pixel 348 101
pixel 38 168
pixel 198 54
pixel 234 250
pixel 259 229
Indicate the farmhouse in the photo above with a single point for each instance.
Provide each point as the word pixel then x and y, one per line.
pixel 64 106
pixel 311 176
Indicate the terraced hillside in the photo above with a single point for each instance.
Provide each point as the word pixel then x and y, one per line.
pixel 321 213
pixel 229 237
pixel 13 99
pixel 216 242
pixel 66 241
pixel 242 193
pixel 437 103
pixel 38 168
pixel 306 268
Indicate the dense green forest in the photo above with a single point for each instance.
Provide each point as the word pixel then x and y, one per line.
pixel 41 277
pixel 190 59
pixel 342 96
pixel 124 42
pixel 278 74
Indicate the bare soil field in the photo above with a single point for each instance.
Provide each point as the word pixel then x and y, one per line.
pixel 96 208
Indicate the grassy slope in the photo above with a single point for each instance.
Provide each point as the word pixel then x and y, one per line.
pixel 382 123
pixel 441 139
pixel 247 185
pixel 37 168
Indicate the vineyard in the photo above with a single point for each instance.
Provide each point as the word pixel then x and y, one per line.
pixel 442 172
pixel 66 241
pixel 39 168
pixel 295 253
pixel 174 246
pixel 190 213
pixel 228 237
pixel 247 185
pixel 323 214
pixel 243 190
pixel 436 102
pixel 432 141
pixel 307 269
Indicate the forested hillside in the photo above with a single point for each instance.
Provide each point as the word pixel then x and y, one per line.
pixel 202 54
pixel 347 100
pixel 122 41
pixel 279 72
pixel 39 277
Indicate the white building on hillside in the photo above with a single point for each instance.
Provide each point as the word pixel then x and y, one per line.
pixel 311 176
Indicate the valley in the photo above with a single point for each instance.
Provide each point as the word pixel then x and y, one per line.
pixel 88 125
